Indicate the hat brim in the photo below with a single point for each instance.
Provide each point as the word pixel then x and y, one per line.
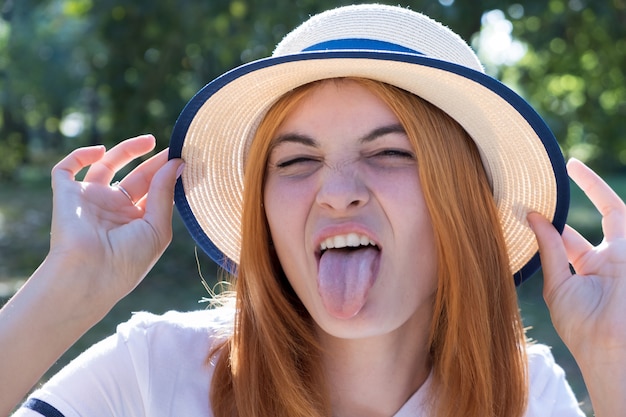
pixel 213 132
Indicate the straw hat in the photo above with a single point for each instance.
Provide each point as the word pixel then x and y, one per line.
pixel 393 45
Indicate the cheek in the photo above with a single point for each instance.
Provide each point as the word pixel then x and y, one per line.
pixel 405 208
pixel 402 198
pixel 421 228
pixel 286 209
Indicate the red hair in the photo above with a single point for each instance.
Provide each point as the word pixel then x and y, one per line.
pixel 271 366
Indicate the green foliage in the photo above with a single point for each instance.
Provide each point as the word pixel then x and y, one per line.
pixel 78 72
pixel 573 74
pixel 12 150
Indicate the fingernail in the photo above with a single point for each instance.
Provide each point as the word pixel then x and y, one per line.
pixel 179 171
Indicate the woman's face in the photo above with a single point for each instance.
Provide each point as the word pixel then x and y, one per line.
pixel 347 215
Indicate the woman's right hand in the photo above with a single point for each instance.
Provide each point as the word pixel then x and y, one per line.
pixel 111 239
pixel 102 244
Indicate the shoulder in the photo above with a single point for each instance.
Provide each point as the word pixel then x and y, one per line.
pixel 549 391
pixel 153 364
pixel 541 362
pixel 175 334
pixel 215 322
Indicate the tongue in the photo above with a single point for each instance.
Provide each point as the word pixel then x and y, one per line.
pixel 345 278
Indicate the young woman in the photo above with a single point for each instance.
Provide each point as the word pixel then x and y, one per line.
pixel 373 199
pixel 371 190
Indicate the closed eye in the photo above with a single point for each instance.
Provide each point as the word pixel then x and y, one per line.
pixel 297 166
pixel 398 153
pixel 295 161
pixel 390 158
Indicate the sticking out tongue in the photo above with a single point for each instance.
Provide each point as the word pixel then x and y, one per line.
pixel 345 278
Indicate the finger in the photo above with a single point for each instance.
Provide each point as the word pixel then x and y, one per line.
pixel 137 183
pixel 68 167
pixel 576 245
pixel 553 254
pixel 608 203
pixel 159 201
pixel 119 156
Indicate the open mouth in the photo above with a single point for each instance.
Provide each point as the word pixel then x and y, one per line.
pixel 348 269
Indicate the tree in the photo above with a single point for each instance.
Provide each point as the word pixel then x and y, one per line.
pixel 573 74
pixel 76 72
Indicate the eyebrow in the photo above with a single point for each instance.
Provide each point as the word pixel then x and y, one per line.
pixel 382 131
pixel 309 141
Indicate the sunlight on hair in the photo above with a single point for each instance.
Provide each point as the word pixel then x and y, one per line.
pixel 221 294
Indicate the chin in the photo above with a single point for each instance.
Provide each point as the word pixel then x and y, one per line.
pixel 364 324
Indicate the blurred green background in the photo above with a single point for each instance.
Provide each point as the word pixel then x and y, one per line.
pixel 80 72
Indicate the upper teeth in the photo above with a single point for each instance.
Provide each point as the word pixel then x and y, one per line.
pixel 350 240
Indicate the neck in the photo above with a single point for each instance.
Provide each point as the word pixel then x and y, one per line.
pixel 375 376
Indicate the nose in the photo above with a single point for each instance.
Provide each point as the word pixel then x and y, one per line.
pixel 342 188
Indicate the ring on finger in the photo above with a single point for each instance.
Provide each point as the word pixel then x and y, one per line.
pixel 117 185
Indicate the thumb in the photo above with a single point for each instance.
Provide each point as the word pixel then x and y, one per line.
pixel 160 199
pixel 554 261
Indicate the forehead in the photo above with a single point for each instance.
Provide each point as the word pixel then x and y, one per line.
pixel 337 107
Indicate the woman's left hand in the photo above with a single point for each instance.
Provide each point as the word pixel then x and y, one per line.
pixel 588 307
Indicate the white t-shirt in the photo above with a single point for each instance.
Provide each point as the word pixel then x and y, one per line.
pixel 157 366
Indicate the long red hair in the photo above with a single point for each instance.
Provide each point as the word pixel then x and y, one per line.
pixel 271 365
